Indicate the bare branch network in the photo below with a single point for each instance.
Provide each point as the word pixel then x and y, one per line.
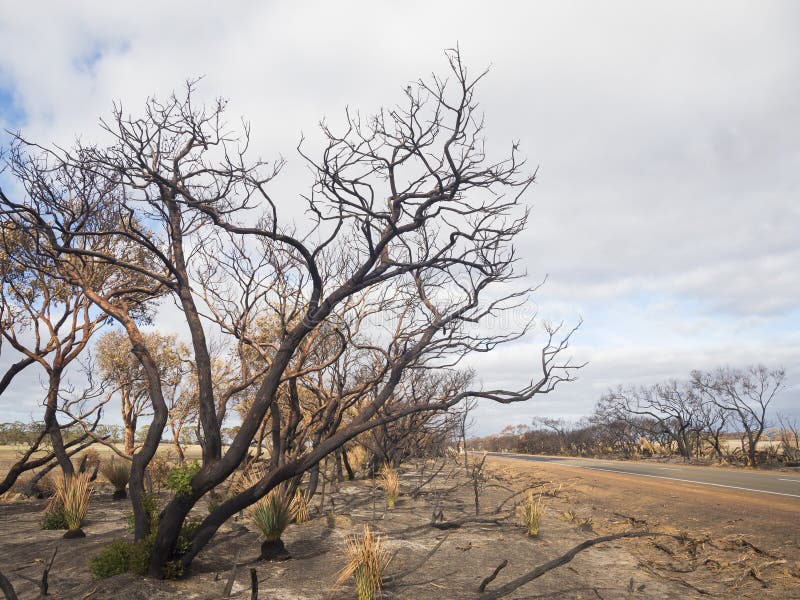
pixel 314 338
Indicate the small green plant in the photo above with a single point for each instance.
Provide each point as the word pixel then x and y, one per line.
pixel 532 511
pixel 366 561
pixel 118 473
pixel 112 560
pixel 122 556
pixel 152 506
pixel 54 517
pixel 299 507
pixel 179 479
pixel 390 481
pixel 159 469
pixel 272 514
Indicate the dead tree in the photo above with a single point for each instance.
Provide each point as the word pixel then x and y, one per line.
pixel 745 394
pixel 670 410
pixel 46 320
pixel 408 211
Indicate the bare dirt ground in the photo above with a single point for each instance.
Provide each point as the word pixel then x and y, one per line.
pixel 723 554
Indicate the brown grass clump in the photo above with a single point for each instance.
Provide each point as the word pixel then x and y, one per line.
pixel 72 495
pixel 117 473
pixel 367 559
pixel 532 512
pixel 357 456
pixel 299 507
pixel 390 481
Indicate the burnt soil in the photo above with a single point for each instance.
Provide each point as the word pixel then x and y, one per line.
pixel 720 552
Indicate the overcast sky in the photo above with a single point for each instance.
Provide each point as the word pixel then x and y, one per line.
pixel 666 211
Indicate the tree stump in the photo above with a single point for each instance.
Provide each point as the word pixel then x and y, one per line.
pixel 274 550
pixel 74 534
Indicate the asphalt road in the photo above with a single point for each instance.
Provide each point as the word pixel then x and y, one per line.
pixel 778 484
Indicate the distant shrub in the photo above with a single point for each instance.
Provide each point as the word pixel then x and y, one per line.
pixel 159 469
pixel 117 473
pixel 390 481
pixel 299 507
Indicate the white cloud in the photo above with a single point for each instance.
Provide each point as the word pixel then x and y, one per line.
pixel 666 210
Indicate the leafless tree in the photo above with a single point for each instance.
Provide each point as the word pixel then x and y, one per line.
pixel 406 208
pixel 668 409
pixel 746 395
pixel 46 320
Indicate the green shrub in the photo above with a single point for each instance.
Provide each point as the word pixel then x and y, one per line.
pixel 122 556
pixel 179 479
pixel 112 560
pixel 54 518
pixel 189 529
pixel 140 554
pixel 152 506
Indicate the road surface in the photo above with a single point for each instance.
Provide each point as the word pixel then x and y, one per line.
pixel 782 484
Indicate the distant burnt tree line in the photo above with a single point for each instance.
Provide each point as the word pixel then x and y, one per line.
pixel 721 415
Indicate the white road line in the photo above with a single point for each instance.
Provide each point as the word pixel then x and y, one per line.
pixel 733 487
pixel 792 480
pixel 668 469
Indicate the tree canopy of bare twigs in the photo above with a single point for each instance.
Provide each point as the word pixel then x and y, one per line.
pixel 409 252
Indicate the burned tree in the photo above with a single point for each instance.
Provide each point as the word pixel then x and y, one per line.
pixel 48 322
pixel 671 410
pixel 408 213
pixel 745 395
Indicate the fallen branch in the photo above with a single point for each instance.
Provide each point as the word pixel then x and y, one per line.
pixel 7 588
pixel 232 576
pixel 456 523
pixel 491 578
pixel 390 579
pixel 513 585
pixel 43 585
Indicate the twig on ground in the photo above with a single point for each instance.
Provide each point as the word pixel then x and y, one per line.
pixel 43 585
pixel 491 578
pixel 232 576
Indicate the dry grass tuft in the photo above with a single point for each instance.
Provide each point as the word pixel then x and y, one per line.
pixel 532 512
pixel 366 561
pixel 72 495
pixel 357 456
pixel 299 507
pixel 390 481
pixel 118 473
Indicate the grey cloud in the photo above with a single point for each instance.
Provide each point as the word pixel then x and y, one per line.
pixel 666 133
